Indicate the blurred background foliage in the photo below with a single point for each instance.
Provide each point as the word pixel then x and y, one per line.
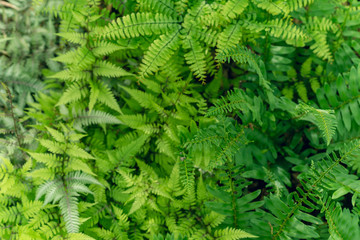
pixel 28 41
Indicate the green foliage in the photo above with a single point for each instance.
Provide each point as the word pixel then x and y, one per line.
pixel 174 120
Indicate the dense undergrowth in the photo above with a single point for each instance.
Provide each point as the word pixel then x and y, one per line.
pixel 187 119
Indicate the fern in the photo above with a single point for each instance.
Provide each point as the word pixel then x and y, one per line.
pixel 345 103
pixel 115 137
pixel 244 55
pixel 232 234
pixel 159 52
pixel 233 8
pixel 323 119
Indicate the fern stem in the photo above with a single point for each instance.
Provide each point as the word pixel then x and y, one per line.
pixel 330 219
pixel 12 115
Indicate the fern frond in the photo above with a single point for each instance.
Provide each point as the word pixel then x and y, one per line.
pixel 243 55
pixel 81 59
pixel 208 36
pixel 342 224
pixel 74 37
pixel 296 4
pixel 122 217
pixel 84 118
pixel 50 160
pixel 159 52
pixel 70 56
pixel 325 120
pixel 166 7
pixel 107 69
pixel 187 175
pixel 214 219
pixel 233 8
pixel 78 236
pixel 102 48
pixel 139 122
pixel 139 24
pixel 230 37
pixel 72 75
pixel 342 96
pixel 65 192
pixel 58 136
pixel 101 93
pixel 321 47
pixel 232 234
pixel 286 30
pixel 77 152
pixel 53 146
pixel 68 206
pixel 73 93
pixel 273 8
pixel 302 91
pixel 236 100
pixel 195 58
pixel 306 68
pixel 320 24
pixel 146 100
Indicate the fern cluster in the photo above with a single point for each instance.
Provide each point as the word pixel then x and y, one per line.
pixel 184 119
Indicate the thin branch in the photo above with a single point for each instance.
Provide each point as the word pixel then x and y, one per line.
pixel 6 4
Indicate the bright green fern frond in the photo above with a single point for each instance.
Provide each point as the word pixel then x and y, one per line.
pixel 296 4
pixel 195 58
pixel 81 59
pixel 139 122
pixel 84 118
pixel 73 93
pixel 321 48
pixel 139 24
pixel 166 7
pixel 58 136
pixel 102 48
pixel 82 178
pixel 107 69
pixel 78 236
pixel 322 24
pixel 187 175
pixel 51 160
pixel 53 146
pixel 286 30
pixel 232 234
pixel 70 56
pixel 306 68
pixel 236 100
pixel 146 100
pixel 274 8
pixel 74 37
pixel 209 37
pixel 325 120
pixel 101 93
pixel 243 55
pixel 233 8
pixel 214 219
pixel 72 75
pixel 230 37
pixel 159 52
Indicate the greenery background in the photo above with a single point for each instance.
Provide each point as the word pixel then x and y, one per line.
pixel 187 119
